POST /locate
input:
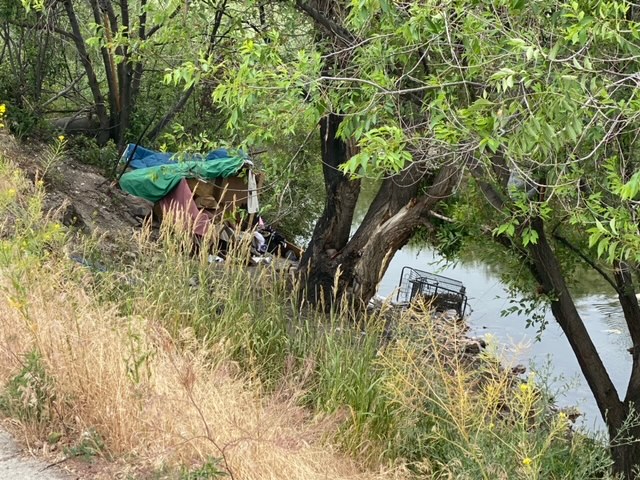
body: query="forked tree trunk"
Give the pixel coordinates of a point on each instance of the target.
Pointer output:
(337, 268)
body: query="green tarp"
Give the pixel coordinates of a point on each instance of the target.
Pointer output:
(154, 183)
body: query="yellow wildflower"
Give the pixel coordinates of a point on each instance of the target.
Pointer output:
(3, 108)
(524, 388)
(527, 462)
(61, 138)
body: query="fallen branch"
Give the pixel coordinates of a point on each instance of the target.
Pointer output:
(440, 216)
(63, 92)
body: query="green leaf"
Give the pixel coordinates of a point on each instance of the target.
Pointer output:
(602, 245)
(612, 251)
(553, 53)
(529, 236)
(593, 238)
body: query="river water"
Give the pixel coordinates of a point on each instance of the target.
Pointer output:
(488, 297)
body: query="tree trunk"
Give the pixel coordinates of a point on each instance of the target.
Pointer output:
(541, 259)
(546, 270)
(337, 268)
(125, 72)
(625, 447)
(625, 451)
(626, 455)
(628, 300)
(94, 85)
(392, 219)
(332, 229)
(170, 115)
(142, 36)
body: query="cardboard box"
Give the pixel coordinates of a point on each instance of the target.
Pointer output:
(208, 203)
(200, 188)
(233, 192)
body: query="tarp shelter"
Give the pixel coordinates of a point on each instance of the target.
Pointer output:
(199, 186)
(143, 157)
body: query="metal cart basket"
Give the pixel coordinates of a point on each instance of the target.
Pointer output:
(441, 292)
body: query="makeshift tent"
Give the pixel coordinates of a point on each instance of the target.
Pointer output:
(197, 190)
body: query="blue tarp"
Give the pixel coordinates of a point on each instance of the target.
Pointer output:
(144, 158)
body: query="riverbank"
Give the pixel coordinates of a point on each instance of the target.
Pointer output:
(160, 363)
(550, 354)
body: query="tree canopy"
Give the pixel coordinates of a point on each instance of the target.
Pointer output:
(518, 118)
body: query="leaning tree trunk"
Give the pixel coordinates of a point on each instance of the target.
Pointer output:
(543, 263)
(214, 40)
(392, 219)
(625, 450)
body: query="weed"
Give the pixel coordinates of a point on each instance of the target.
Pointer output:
(28, 395)
(209, 470)
(89, 446)
(53, 155)
(478, 422)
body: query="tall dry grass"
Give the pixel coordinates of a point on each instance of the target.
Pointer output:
(153, 392)
(180, 408)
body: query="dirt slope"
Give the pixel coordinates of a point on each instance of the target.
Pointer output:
(85, 197)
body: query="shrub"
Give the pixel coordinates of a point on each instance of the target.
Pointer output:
(28, 395)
